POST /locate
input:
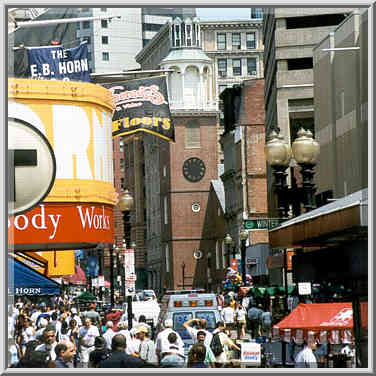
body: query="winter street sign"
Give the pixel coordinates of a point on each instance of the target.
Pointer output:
(262, 223)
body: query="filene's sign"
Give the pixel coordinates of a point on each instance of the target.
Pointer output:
(142, 105)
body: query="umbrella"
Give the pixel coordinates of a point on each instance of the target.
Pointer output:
(86, 297)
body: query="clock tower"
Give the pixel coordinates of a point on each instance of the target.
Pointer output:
(191, 163)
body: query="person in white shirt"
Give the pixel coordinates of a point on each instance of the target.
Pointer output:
(228, 315)
(109, 333)
(133, 345)
(49, 341)
(86, 338)
(35, 315)
(162, 344)
(305, 358)
(349, 350)
(227, 344)
(240, 315)
(75, 316)
(201, 325)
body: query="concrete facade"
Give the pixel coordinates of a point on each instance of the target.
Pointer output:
(290, 34)
(341, 104)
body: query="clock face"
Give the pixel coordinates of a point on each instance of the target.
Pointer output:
(194, 169)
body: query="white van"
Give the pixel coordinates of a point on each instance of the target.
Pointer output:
(183, 307)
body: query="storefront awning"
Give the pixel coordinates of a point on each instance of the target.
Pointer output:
(319, 316)
(342, 220)
(78, 278)
(23, 280)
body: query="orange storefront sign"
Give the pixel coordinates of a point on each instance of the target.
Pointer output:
(62, 226)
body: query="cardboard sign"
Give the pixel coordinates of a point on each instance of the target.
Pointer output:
(251, 353)
(304, 288)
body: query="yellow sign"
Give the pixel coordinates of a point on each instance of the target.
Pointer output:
(60, 263)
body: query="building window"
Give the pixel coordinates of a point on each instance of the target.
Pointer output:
(164, 171)
(189, 35)
(165, 210)
(251, 40)
(236, 67)
(236, 41)
(104, 40)
(103, 9)
(192, 136)
(78, 25)
(251, 66)
(105, 56)
(222, 67)
(301, 63)
(257, 13)
(122, 183)
(221, 41)
(177, 35)
(151, 27)
(121, 164)
(86, 25)
(104, 24)
(121, 146)
(217, 256)
(167, 259)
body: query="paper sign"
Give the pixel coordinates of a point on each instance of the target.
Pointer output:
(251, 353)
(304, 288)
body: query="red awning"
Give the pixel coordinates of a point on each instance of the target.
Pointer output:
(79, 278)
(319, 316)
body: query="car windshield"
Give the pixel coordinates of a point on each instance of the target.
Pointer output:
(179, 319)
(209, 316)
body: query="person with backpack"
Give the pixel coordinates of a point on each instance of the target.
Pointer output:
(266, 324)
(221, 344)
(254, 316)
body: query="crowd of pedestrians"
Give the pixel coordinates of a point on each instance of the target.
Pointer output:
(55, 334)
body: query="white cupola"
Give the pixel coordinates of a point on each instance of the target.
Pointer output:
(191, 84)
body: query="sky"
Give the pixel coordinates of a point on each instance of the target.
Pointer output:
(222, 14)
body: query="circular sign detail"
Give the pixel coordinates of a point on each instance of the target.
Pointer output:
(194, 169)
(31, 166)
(197, 254)
(196, 207)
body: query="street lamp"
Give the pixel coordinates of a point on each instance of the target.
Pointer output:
(228, 242)
(243, 235)
(305, 150)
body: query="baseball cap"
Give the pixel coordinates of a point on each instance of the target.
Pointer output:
(142, 329)
(74, 310)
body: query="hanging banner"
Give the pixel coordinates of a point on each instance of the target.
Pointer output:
(92, 266)
(142, 106)
(59, 63)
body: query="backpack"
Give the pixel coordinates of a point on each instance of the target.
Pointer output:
(266, 319)
(216, 345)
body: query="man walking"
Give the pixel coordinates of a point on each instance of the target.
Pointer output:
(109, 333)
(305, 358)
(86, 338)
(162, 344)
(254, 315)
(201, 326)
(65, 352)
(49, 341)
(118, 357)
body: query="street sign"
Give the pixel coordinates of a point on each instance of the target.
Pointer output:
(32, 166)
(262, 223)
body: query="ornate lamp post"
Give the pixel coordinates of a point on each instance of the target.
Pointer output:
(228, 242)
(125, 203)
(243, 235)
(305, 151)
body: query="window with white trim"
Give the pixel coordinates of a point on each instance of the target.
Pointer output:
(167, 251)
(223, 254)
(251, 66)
(251, 41)
(236, 44)
(217, 256)
(222, 67)
(165, 210)
(221, 41)
(236, 67)
(105, 56)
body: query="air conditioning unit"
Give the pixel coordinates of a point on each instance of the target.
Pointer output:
(222, 74)
(254, 73)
